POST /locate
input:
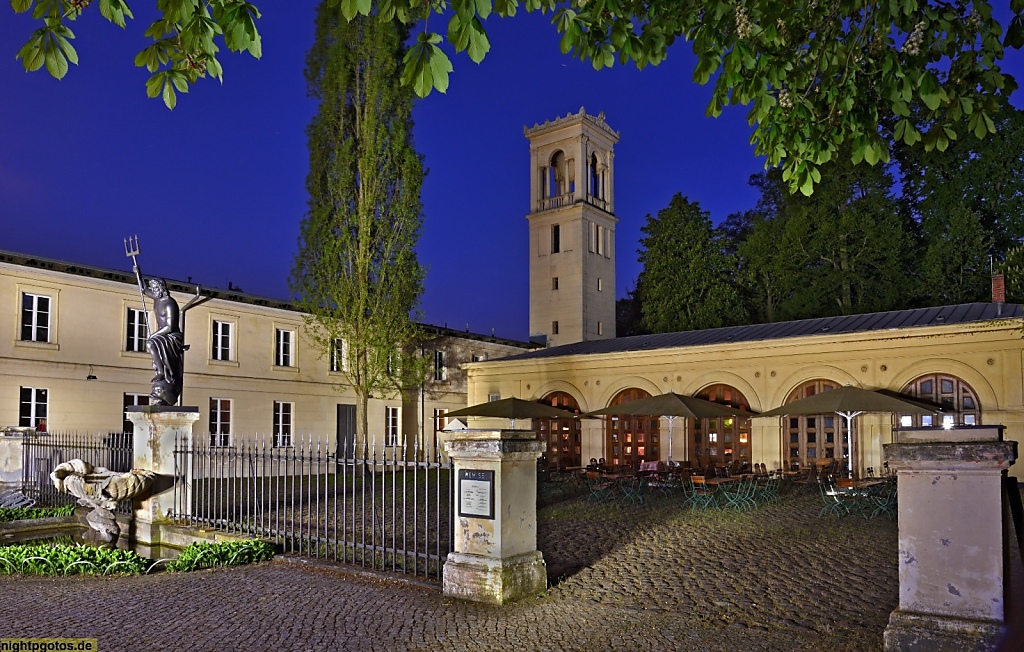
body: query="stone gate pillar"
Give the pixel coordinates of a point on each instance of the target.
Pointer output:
(950, 538)
(495, 557)
(157, 428)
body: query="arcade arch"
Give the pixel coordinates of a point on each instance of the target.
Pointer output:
(720, 441)
(815, 438)
(630, 440)
(562, 437)
(957, 398)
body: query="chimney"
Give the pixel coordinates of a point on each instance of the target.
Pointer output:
(998, 288)
(999, 292)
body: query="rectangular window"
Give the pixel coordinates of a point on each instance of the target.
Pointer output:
(283, 342)
(440, 369)
(493, 397)
(598, 240)
(556, 239)
(283, 423)
(479, 357)
(440, 420)
(600, 285)
(33, 408)
(129, 401)
(35, 317)
(600, 328)
(554, 328)
(440, 423)
(339, 355)
(136, 331)
(392, 423)
(220, 422)
(554, 282)
(222, 341)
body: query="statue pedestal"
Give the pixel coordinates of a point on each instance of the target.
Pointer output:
(950, 538)
(495, 557)
(157, 428)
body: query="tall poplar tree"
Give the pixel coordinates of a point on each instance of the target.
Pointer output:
(356, 274)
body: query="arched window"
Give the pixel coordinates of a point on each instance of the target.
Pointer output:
(556, 175)
(720, 441)
(816, 438)
(561, 437)
(596, 191)
(958, 400)
(630, 440)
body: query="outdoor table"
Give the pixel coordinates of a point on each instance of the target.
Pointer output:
(717, 481)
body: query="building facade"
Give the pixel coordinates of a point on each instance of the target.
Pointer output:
(967, 358)
(572, 229)
(73, 357)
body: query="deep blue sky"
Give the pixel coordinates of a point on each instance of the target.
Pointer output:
(215, 189)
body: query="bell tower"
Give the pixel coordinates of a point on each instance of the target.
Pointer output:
(572, 229)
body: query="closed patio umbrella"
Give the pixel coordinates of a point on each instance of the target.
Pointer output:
(512, 408)
(672, 405)
(848, 402)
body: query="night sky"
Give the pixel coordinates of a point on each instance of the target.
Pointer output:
(215, 189)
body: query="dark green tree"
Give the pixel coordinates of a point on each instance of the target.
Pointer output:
(854, 248)
(767, 271)
(356, 274)
(629, 320)
(686, 282)
(984, 175)
(955, 265)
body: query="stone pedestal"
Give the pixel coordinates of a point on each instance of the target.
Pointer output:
(157, 428)
(495, 557)
(950, 538)
(12, 443)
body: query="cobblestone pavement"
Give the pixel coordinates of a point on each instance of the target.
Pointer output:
(624, 577)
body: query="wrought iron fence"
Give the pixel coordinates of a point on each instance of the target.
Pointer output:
(43, 452)
(388, 508)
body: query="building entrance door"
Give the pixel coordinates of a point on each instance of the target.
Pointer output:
(346, 433)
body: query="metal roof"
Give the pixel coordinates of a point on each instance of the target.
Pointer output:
(964, 313)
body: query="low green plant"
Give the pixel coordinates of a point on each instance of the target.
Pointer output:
(225, 553)
(67, 559)
(29, 513)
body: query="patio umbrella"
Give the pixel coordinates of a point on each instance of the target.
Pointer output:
(512, 408)
(672, 405)
(849, 401)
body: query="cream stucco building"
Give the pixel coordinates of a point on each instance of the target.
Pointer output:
(968, 358)
(72, 353)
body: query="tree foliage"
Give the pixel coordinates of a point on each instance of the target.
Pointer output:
(184, 38)
(955, 266)
(819, 76)
(853, 246)
(985, 176)
(356, 271)
(686, 279)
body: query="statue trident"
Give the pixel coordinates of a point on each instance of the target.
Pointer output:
(166, 344)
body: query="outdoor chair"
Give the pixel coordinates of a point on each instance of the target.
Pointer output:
(702, 496)
(766, 489)
(740, 495)
(601, 488)
(633, 488)
(833, 499)
(14, 499)
(882, 499)
(807, 477)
